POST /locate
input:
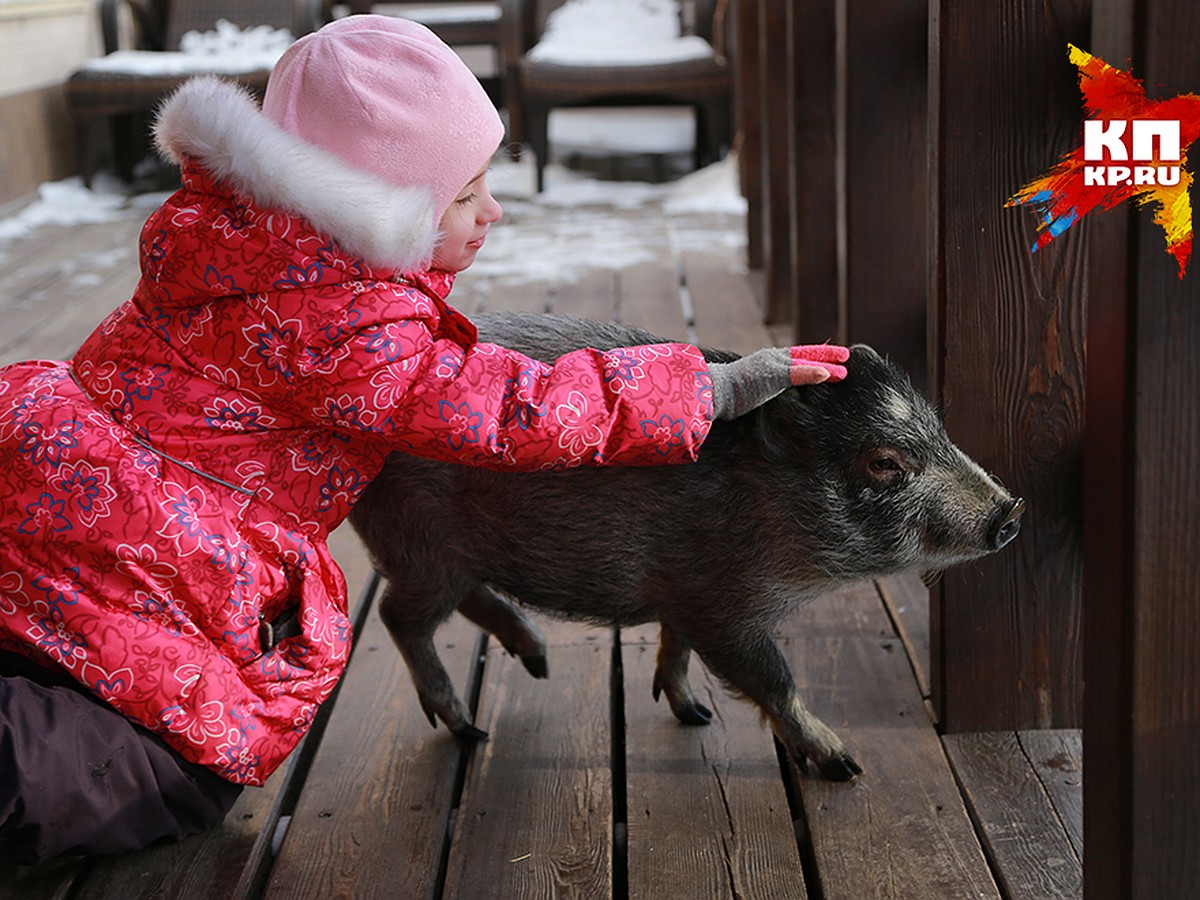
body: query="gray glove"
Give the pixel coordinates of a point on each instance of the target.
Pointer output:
(751, 381)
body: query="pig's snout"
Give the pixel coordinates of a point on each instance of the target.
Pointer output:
(1006, 524)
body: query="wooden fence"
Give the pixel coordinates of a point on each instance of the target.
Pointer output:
(879, 142)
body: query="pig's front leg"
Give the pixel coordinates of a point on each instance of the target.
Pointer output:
(752, 665)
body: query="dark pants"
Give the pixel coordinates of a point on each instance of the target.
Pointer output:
(77, 777)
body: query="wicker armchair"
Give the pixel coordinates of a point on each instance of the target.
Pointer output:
(122, 97)
(534, 87)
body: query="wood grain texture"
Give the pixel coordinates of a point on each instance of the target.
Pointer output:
(900, 830)
(1024, 837)
(707, 811)
(649, 298)
(50, 303)
(907, 602)
(1142, 574)
(723, 305)
(373, 816)
(1057, 757)
(535, 818)
(1008, 366)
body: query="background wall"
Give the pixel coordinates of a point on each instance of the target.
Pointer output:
(43, 41)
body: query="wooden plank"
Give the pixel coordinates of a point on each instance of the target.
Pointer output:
(1023, 835)
(1008, 350)
(1057, 757)
(372, 819)
(55, 299)
(536, 816)
(592, 296)
(1160, 705)
(648, 297)
(707, 810)
(1142, 573)
(900, 829)
(723, 305)
(907, 602)
(1109, 522)
(50, 881)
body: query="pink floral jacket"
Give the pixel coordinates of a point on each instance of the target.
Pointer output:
(168, 492)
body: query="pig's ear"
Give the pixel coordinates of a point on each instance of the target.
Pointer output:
(786, 425)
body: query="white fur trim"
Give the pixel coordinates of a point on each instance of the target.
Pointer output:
(220, 123)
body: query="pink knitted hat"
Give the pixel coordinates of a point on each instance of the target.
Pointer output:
(390, 98)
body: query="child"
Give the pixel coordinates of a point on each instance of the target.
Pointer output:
(166, 495)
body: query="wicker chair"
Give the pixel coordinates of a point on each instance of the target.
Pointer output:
(535, 87)
(123, 99)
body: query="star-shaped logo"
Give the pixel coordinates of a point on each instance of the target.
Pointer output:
(1134, 148)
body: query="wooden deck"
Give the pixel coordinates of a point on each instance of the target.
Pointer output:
(586, 787)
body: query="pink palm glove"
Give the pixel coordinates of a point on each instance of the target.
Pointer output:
(751, 381)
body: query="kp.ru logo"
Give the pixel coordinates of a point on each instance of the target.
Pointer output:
(1133, 148)
(1105, 141)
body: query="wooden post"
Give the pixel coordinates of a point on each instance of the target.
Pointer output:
(775, 112)
(884, 124)
(1007, 343)
(747, 90)
(1142, 497)
(811, 155)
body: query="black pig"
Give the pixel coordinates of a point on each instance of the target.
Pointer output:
(818, 488)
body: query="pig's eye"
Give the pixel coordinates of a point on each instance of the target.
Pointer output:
(886, 467)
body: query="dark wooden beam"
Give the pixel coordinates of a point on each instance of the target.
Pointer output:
(1007, 357)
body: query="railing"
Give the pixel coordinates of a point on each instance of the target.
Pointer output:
(879, 144)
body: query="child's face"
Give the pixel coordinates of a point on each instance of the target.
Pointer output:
(465, 224)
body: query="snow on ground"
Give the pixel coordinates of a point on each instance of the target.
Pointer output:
(574, 226)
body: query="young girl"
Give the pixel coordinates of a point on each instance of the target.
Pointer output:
(170, 617)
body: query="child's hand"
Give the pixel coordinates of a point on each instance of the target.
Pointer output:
(751, 381)
(814, 363)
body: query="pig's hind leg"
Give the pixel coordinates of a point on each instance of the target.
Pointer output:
(671, 678)
(412, 621)
(491, 611)
(752, 665)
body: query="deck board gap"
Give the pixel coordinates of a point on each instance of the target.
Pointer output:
(464, 764)
(800, 826)
(620, 800)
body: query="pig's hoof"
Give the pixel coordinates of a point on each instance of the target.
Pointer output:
(470, 733)
(428, 709)
(841, 769)
(695, 714)
(536, 665)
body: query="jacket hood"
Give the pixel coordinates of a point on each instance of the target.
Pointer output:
(221, 125)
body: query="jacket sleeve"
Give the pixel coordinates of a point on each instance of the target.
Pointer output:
(481, 404)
